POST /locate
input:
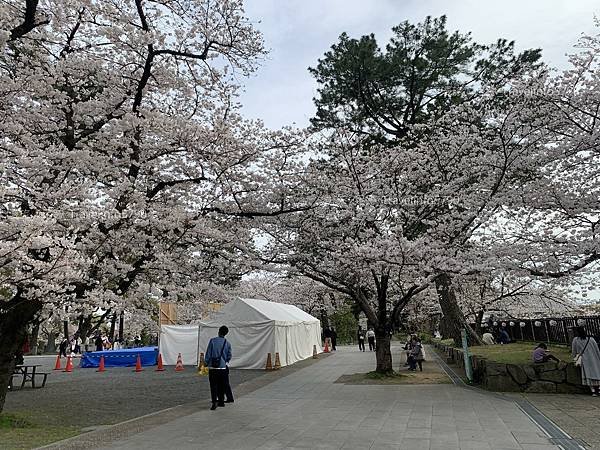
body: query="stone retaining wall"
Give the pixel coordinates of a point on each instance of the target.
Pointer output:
(550, 377)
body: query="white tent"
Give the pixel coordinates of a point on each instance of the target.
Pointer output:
(256, 328)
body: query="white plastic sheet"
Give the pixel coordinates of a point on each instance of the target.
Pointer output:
(175, 339)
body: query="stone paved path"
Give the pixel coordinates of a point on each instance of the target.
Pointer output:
(307, 410)
(578, 415)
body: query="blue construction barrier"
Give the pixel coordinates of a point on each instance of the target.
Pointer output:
(126, 357)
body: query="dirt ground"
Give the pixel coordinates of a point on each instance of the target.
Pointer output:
(432, 374)
(86, 398)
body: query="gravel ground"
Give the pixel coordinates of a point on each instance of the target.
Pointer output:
(86, 398)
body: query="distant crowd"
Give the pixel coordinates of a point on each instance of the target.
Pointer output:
(98, 342)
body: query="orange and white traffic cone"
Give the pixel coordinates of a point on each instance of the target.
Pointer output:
(315, 354)
(69, 366)
(138, 364)
(57, 365)
(269, 365)
(101, 365)
(179, 364)
(277, 364)
(160, 367)
(326, 349)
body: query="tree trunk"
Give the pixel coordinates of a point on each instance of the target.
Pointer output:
(35, 333)
(85, 327)
(51, 345)
(121, 323)
(15, 316)
(478, 320)
(66, 329)
(453, 316)
(383, 350)
(113, 323)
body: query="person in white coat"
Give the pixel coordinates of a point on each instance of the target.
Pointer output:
(585, 349)
(371, 339)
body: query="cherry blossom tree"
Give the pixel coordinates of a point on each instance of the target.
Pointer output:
(561, 222)
(303, 292)
(126, 168)
(504, 295)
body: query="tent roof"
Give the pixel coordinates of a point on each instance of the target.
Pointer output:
(253, 310)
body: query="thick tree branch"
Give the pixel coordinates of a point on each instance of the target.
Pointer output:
(28, 23)
(570, 271)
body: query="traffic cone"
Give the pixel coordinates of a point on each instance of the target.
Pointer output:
(101, 366)
(326, 349)
(315, 354)
(179, 364)
(57, 365)
(138, 364)
(277, 365)
(69, 366)
(160, 367)
(269, 365)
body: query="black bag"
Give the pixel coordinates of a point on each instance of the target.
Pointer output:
(215, 362)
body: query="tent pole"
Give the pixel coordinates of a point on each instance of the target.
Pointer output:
(198, 348)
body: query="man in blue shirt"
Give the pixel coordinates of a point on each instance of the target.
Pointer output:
(217, 357)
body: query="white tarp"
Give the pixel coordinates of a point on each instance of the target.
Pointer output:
(256, 328)
(175, 339)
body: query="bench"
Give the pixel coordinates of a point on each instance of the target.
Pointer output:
(28, 373)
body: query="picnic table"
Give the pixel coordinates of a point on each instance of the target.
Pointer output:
(28, 372)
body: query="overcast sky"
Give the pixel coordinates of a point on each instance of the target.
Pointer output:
(299, 32)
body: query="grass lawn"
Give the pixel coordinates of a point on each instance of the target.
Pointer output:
(518, 352)
(21, 431)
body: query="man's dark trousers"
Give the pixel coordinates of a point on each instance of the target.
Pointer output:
(216, 378)
(228, 392)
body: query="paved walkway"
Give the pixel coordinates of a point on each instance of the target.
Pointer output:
(307, 410)
(578, 415)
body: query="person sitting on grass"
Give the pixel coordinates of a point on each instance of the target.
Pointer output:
(488, 338)
(542, 355)
(503, 337)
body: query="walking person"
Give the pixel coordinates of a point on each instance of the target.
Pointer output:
(217, 357)
(99, 343)
(371, 339)
(62, 348)
(327, 337)
(77, 340)
(333, 338)
(360, 335)
(587, 355)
